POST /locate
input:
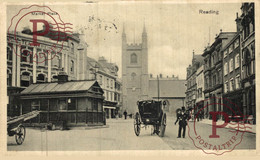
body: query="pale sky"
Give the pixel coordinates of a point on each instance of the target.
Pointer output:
(174, 30)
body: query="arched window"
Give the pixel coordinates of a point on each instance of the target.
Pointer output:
(133, 75)
(41, 58)
(41, 78)
(56, 61)
(133, 58)
(25, 79)
(72, 66)
(26, 56)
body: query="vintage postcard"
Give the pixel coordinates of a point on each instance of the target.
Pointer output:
(129, 78)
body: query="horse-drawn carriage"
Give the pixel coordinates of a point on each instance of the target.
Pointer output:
(16, 128)
(150, 113)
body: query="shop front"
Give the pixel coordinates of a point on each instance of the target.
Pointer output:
(73, 102)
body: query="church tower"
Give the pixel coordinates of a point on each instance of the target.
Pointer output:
(134, 72)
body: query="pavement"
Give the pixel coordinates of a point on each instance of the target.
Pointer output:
(118, 134)
(171, 133)
(244, 127)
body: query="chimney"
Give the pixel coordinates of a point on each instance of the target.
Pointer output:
(62, 77)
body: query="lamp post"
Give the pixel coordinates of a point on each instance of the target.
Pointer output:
(94, 71)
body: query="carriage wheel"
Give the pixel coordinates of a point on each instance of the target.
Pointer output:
(162, 125)
(137, 124)
(20, 134)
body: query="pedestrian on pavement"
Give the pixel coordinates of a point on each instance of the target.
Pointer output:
(182, 117)
(125, 114)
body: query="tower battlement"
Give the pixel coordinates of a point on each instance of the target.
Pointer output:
(134, 46)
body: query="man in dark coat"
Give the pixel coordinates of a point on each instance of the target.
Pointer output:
(182, 117)
(125, 114)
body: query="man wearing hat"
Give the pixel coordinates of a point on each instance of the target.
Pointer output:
(182, 117)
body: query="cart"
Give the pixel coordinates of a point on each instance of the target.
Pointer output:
(150, 113)
(16, 128)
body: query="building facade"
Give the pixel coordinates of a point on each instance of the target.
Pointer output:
(248, 59)
(135, 76)
(232, 91)
(106, 74)
(28, 64)
(213, 72)
(191, 90)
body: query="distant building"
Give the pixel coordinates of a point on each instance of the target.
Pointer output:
(248, 59)
(106, 74)
(135, 72)
(213, 72)
(171, 90)
(191, 91)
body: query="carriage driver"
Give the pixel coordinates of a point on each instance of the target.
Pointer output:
(182, 117)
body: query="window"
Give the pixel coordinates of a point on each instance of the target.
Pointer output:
(133, 75)
(226, 87)
(25, 79)
(107, 83)
(26, 56)
(62, 105)
(236, 43)
(231, 65)
(231, 48)
(111, 96)
(41, 59)
(226, 68)
(9, 77)
(54, 78)
(71, 103)
(237, 82)
(214, 80)
(72, 66)
(111, 84)
(225, 53)
(133, 58)
(237, 59)
(55, 61)
(9, 53)
(35, 105)
(231, 84)
(40, 78)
